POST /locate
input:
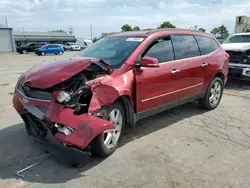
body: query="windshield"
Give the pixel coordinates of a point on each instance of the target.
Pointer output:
(28, 44)
(113, 50)
(238, 39)
(44, 46)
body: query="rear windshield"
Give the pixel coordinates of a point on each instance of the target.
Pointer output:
(113, 50)
(238, 39)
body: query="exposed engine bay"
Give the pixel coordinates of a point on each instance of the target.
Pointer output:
(76, 92)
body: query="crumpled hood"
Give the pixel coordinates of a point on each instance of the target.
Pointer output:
(49, 73)
(236, 46)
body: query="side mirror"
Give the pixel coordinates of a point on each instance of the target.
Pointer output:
(149, 62)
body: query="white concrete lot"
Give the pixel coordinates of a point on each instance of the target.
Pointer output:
(182, 147)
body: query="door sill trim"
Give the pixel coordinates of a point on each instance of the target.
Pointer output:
(167, 106)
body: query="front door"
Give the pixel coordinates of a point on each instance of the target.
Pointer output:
(168, 83)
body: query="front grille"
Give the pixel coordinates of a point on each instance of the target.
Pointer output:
(236, 57)
(34, 93)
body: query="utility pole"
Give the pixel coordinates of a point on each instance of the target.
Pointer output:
(91, 32)
(71, 30)
(6, 21)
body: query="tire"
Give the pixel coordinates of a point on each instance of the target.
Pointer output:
(214, 89)
(60, 53)
(24, 52)
(43, 53)
(99, 147)
(71, 49)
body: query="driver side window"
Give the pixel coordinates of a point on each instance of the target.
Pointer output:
(161, 49)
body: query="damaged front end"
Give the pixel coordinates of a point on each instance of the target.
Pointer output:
(239, 64)
(61, 110)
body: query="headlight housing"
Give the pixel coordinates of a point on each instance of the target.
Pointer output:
(63, 96)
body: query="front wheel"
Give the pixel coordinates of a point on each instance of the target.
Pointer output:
(213, 94)
(60, 53)
(43, 53)
(106, 143)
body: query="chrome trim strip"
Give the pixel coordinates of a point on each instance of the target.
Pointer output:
(29, 98)
(148, 99)
(238, 65)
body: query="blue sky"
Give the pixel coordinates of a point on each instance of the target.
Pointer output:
(110, 15)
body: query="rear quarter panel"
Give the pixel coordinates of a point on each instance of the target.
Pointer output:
(218, 63)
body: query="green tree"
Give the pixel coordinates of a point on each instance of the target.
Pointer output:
(202, 30)
(136, 28)
(220, 32)
(126, 27)
(166, 25)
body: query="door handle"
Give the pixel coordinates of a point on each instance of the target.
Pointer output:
(175, 71)
(204, 64)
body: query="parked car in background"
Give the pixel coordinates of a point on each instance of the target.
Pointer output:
(71, 47)
(84, 43)
(30, 47)
(56, 49)
(238, 47)
(86, 101)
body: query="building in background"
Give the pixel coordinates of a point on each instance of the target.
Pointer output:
(24, 37)
(6, 39)
(242, 24)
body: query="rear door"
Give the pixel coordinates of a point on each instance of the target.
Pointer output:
(190, 65)
(212, 57)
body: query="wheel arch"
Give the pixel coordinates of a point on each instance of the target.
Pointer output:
(128, 108)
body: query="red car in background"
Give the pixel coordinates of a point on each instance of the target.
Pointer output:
(86, 101)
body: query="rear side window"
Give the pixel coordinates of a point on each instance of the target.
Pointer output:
(56, 46)
(185, 46)
(207, 45)
(161, 49)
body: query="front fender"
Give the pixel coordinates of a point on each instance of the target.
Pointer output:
(106, 95)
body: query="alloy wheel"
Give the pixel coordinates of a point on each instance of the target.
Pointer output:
(215, 94)
(111, 136)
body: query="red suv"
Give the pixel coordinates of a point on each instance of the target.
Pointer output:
(86, 101)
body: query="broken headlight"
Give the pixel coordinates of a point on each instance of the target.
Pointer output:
(63, 96)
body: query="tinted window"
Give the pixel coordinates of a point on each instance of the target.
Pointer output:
(206, 45)
(185, 46)
(56, 46)
(50, 46)
(162, 50)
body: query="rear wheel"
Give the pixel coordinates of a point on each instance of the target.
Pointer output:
(71, 49)
(213, 94)
(106, 143)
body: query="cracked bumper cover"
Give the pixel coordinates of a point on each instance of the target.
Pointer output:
(86, 127)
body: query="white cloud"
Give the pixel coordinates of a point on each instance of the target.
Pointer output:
(110, 15)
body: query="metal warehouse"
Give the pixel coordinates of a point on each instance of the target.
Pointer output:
(6, 39)
(24, 37)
